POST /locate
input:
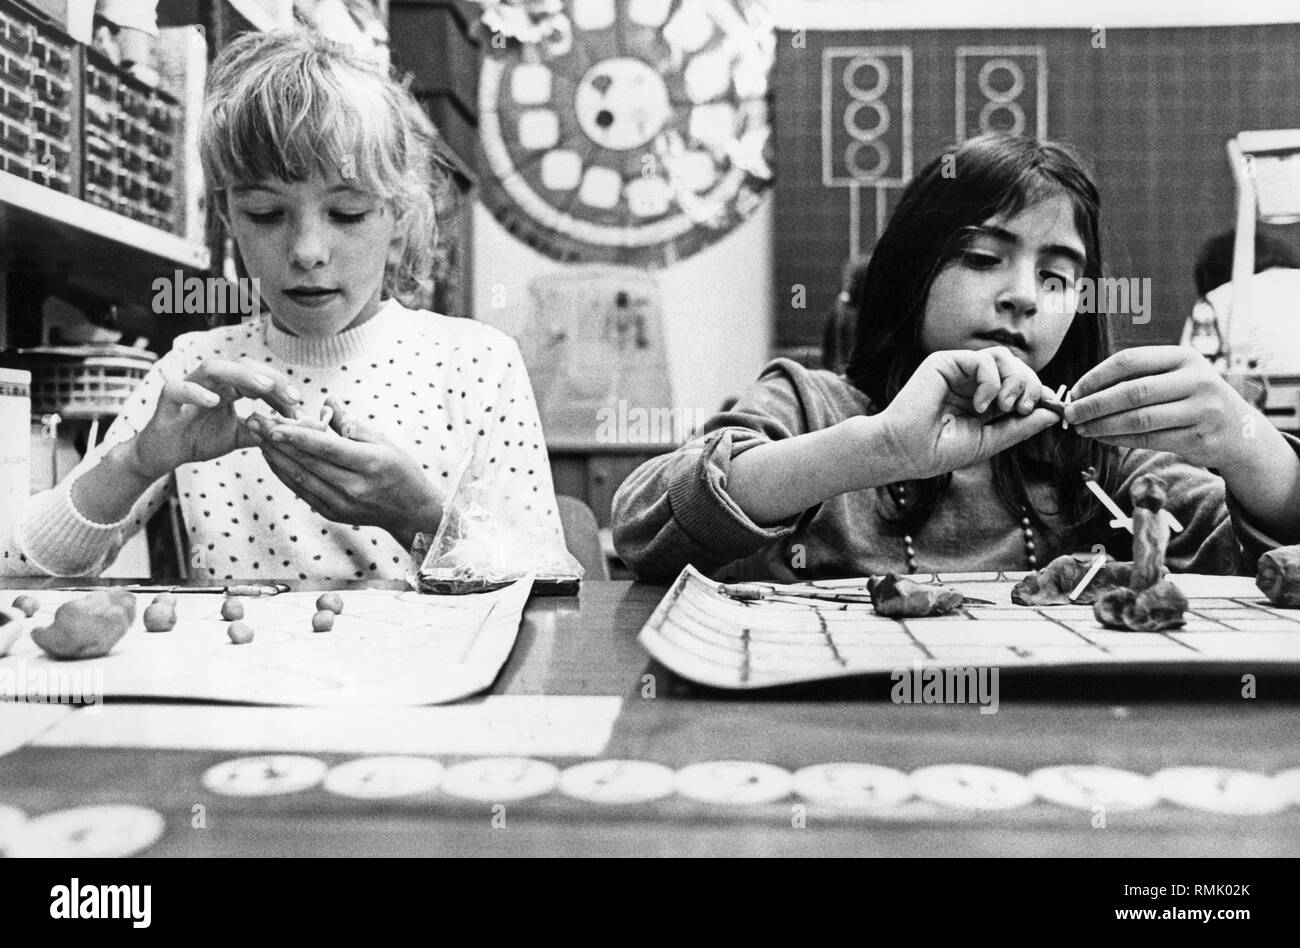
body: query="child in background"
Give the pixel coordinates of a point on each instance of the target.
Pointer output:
(931, 452)
(322, 168)
(1267, 339)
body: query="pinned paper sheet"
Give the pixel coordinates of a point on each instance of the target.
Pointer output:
(386, 648)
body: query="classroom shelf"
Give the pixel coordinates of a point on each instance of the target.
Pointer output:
(89, 247)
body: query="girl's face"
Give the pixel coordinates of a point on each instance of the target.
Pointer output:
(318, 248)
(1015, 286)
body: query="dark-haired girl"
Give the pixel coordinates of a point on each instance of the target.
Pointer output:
(932, 452)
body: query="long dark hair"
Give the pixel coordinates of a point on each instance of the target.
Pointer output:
(985, 177)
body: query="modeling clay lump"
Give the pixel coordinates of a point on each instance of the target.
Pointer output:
(905, 598)
(1052, 585)
(87, 627)
(1278, 576)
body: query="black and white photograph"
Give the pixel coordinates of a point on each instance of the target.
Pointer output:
(651, 428)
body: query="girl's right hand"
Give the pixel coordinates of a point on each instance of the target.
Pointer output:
(961, 407)
(195, 417)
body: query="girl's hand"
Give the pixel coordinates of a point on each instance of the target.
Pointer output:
(1166, 398)
(352, 474)
(961, 407)
(195, 418)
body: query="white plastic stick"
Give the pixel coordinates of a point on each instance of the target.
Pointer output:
(1060, 395)
(1098, 562)
(1110, 504)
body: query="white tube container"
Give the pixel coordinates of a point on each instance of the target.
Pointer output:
(15, 441)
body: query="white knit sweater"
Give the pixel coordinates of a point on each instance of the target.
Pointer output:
(434, 385)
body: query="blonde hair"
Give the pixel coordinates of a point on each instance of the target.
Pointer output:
(287, 106)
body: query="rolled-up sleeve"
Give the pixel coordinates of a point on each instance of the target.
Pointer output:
(675, 509)
(1255, 538)
(49, 536)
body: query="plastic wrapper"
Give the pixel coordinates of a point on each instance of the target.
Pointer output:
(484, 543)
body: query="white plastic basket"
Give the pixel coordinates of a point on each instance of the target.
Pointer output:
(90, 387)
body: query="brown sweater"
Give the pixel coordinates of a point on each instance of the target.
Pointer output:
(675, 510)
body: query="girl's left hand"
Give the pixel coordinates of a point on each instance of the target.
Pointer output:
(1165, 398)
(351, 474)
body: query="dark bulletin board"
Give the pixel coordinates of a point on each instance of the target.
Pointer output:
(1151, 111)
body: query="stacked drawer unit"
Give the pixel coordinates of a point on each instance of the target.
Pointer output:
(164, 137)
(131, 141)
(37, 99)
(73, 120)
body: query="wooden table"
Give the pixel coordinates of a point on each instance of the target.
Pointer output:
(587, 646)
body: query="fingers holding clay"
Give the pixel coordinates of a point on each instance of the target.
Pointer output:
(340, 421)
(87, 627)
(248, 380)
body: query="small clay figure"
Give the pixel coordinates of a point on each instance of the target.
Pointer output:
(1150, 532)
(1148, 602)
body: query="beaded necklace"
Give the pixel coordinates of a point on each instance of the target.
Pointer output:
(1026, 529)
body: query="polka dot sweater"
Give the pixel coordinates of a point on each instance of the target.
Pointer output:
(438, 387)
